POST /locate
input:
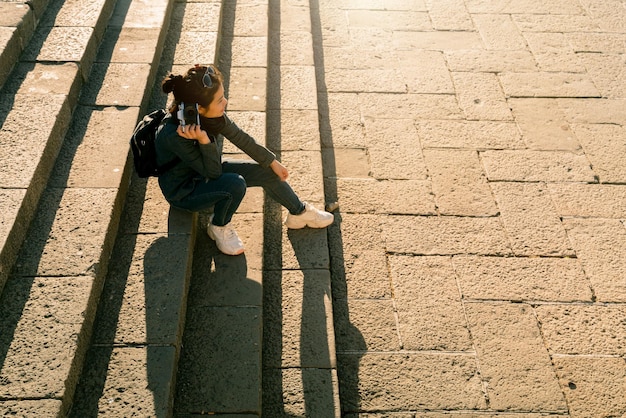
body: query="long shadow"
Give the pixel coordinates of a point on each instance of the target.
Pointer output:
(347, 363)
(217, 374)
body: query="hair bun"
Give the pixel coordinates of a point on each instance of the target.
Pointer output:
(170, 82)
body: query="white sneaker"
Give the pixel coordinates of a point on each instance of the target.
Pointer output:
(311, 217)
(225, 238)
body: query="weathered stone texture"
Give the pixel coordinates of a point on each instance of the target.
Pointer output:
(522, 279)
(430, 313)
(513, 361)
(530, 219)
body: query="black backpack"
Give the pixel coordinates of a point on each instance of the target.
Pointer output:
(143, 147)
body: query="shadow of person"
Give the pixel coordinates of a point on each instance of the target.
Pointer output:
(321, 315)
(219, 368)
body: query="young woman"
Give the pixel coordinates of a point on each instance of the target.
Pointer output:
(201, 179)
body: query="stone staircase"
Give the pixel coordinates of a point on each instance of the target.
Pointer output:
(113, 304)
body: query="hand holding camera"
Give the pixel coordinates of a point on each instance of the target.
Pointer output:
(189, 126)
(188, 115)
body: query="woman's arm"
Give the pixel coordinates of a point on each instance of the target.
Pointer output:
(247, 144)
(194, 147)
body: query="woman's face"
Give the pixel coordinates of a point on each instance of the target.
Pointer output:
(217, 107)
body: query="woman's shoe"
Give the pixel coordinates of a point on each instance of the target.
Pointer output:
(225, 238)
(311, 217)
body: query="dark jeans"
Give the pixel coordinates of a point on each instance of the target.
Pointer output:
(226, 192)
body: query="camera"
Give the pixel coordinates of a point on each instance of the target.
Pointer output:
(188, 114)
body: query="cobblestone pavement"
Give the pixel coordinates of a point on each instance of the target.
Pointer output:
(478, 153)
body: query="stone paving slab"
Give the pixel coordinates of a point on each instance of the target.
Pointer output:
(45, 409)
(599, 245)
(530, 220)
(428, 305)
(222, 373)
(550, 279)
(513, 360)
(399, 381)
(594, 385)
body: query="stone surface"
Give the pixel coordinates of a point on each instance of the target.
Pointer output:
(22, 161)
(359, 265)
(478, 135)
(356, 329)
(459, 183)
(599, 245)
(90, 158)
(533, 166)
(64, 44)
(219, 368)
(300, 392)
(127, 381)
(445, 235)
(370, 382)
(513, 361)
(605, 148)
(39, 408)
(389, 159)
(304, 336)
(295, 130)
(247, 91)
(143, 297)
(583, 329)
(40, 332)
(374, 196)
(543, 125)
(530, 219)
(425, 71)
(66, 245)
(428, 303)
(522, 279)
(589, 200)
(593, 386)
(499, 32)
(546, 84)
(122, 84)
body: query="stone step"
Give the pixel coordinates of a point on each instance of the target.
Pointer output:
(18, 21)
(64, 187)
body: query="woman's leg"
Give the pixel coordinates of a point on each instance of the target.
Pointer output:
(224, 193)
(257, 176)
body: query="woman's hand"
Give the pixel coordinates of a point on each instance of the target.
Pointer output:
(193, 132)
(280, 170)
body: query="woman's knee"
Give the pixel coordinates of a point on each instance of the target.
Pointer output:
(236, 184)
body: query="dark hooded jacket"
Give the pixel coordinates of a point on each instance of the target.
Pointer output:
(200, 162)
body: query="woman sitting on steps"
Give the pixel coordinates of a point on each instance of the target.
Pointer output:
(201, 179)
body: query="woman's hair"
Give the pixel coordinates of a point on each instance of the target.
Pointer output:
(190, 88)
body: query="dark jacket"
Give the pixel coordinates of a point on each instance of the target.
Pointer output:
(199, 162)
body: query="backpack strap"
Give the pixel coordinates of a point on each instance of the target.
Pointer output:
(170, 164)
